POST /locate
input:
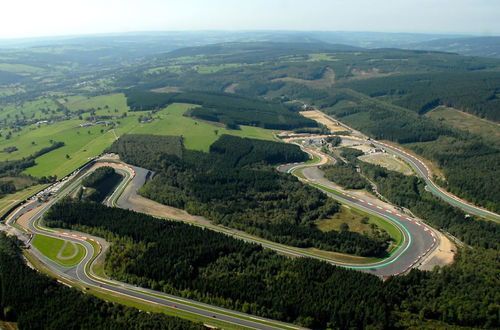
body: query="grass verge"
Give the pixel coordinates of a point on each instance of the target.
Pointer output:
(51, 248)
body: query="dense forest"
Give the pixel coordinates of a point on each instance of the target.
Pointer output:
(235, 185)
(99, 184)
(35, 301)
(346, 175)
(473, 92)
(409, 192)
(232, 110)
(471, 167)
(468, 162)
(381, 92)
(217, 269)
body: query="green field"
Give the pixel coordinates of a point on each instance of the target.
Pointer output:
(32, 110)
(112, 101)
(10, 200)
(198, 135)
(82, 143)
(489, 130)
(57, 250)
(384, 224)
(352, 217)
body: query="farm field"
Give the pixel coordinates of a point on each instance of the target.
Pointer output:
(32, 110)
(82, 143)
(64, 253)
(111, 101)
(198, 135)
(489, 130)
(388, 161)
(10, 200)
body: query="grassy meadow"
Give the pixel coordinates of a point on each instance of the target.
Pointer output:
(489, 130)
(82, 143)
(65, 254)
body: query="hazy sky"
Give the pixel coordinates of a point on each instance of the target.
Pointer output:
(27, 18)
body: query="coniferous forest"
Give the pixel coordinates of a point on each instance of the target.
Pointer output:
(35, 301)
(236, 185)
(89, 92)
(218, 269)
(100, 183)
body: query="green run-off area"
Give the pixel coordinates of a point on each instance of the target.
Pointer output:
(65, 253)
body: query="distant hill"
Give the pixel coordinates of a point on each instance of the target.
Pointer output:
(476, 46)
(249, 52)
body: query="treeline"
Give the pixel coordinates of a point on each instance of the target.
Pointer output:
(99, 184)
(214, 268)
(409, 192)
(464, 294)
(232, 110)
(146, 149)
(98, 176)
(14, 167)
(473, 92)
(238, 152)
(345, 175)
(7, 187)
(235, 185)
(185, 260)
(469, 164)
(35, 301)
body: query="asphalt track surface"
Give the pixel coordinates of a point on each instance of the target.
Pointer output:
(423, 172)
(419, 239)
(82, 275)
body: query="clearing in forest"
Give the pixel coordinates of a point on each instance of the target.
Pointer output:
(390, 162)
(489, 130)
(322, 118)
(327, 80)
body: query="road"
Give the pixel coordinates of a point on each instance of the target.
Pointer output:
(419, 239)
(410, 253)
(423, 171)
(82, 272)
(418, 243)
